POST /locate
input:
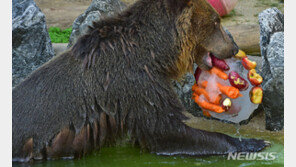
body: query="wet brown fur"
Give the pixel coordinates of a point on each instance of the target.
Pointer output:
(115, 82)
(28, 148)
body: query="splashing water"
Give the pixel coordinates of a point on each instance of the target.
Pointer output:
(237, 126)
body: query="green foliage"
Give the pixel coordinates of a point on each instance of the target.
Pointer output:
(233, 13)
(57, 35)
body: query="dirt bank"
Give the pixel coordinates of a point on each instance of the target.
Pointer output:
(62, 13)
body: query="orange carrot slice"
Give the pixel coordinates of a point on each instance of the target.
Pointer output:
(206, 113)
(217, 99)
(204, 84)
(229, 91)
(208, 106)
(194, 87)
(201, 91)
(194, 94)
(219, 73)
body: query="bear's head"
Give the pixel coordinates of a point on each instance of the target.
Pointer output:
(201, 33)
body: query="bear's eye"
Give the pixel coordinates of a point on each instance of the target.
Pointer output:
(216, 24)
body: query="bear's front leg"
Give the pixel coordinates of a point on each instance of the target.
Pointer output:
(188, 141)
(159, 127)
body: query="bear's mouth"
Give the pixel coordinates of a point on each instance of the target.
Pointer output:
(207, 60)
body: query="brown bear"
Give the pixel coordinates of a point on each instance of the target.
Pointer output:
(115, 84)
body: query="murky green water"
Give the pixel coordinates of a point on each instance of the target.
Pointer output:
(132, 157)
(127, 156)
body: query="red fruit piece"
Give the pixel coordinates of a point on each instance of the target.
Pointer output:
(248, 64)
(256, 95)
(197, 74)
(254, 77)
(237, 81)
(226, 104)
(219, 63)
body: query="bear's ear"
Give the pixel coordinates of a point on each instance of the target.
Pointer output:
(178, 5)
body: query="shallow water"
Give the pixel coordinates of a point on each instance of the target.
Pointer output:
(132, 157)
(127, 156)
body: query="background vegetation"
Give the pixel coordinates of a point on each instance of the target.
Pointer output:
(57, 35)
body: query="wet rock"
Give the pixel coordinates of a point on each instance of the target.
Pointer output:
(184, 92)
(272, 49)
(31, 45)
(96, 10)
